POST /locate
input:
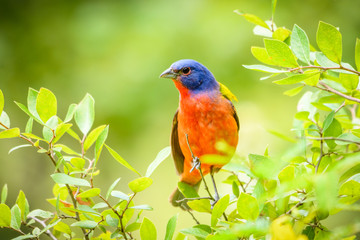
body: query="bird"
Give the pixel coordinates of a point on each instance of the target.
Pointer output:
(205, 116)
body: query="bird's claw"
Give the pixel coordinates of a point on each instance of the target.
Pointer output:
(196, 164)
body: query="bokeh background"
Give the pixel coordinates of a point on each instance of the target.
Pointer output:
(115, 50)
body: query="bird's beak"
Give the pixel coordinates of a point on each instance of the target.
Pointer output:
(169, 73)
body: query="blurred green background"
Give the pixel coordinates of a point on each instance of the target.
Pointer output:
(115, 50)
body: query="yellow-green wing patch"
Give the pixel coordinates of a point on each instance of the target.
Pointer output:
(227, 93)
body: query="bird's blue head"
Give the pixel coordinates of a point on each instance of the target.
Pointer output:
(192, 75)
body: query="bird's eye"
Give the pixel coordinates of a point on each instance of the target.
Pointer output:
(186, 70)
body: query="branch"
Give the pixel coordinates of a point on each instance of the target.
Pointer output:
(334, 138)
(330, 89)
(42, 223)
(324, 68)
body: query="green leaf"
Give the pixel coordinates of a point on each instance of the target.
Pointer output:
(4, 193)
(142, 207)
(197, 232)
(113, 222)
(281, 34)
(61, 129)
(201, 205)
(78, 163)
(120, 195)
(219, 209)
(357, 54)
(300, 44)
(262, 68)
(287, 174)
(122, 161)
(329, 41)
(280, 53)
(261, 54)
(40, 213)
(294, 91)
(29, 125)
(10, 133)
(160, 157)
(349, 81)
(85, 114)
(46, 104)
(235, 189)
(334, 130)
(93, 136)
(132, 227)
(328, 120)
(324, 61)
(23, 204)
(62, 227)
(15, 217)
(5, 120)
(248, 207)
(351, 190)
(187, 190)
(90, 193)
(1, 101)
(140, 184)
(5, 215)
(147, 230)
(70, 113)
(100, 141)
(31, 103)
(253, 19)
(111, 188)
(62, 178)
(296, 78)
(49, 127)
(170, 227)
(27, 236)
(87, 224)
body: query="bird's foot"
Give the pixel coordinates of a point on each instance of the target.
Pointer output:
(196, 164)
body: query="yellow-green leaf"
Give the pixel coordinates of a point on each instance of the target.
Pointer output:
(281, 34)
(10, 133)
(147, 230)
(280, 53)
(140, 184)
(248, 207)
(261, 54)
(253, 19)
(219, 209)
(357, 54)
(89, 193)
(5, 215)
(329, 40)
(93, 135)
(46, 104)
(1, 101)
(122, 161)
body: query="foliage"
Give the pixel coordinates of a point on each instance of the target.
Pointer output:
(283, 197)
(77, 202)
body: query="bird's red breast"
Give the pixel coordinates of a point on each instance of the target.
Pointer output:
(206, 118)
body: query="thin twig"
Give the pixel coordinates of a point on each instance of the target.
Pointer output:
(192, 215)
(324, 68)
(301, 202)
(333, 138)
(341, 106)
(330, 89)
(321, 152)
(47, 232)
(197, 164)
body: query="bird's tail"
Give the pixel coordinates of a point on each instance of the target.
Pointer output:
(176, 196)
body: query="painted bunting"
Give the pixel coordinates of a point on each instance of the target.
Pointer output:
(205, 116)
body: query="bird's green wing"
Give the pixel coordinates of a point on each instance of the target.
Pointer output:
(231, 97)
(177, 154)
(227, 93)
